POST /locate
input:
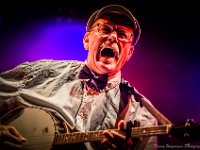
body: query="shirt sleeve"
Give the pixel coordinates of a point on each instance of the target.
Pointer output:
(31, 75)
(11, 82)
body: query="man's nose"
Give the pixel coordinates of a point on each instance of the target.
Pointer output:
(113, 36)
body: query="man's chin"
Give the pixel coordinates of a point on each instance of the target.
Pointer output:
(106, 68)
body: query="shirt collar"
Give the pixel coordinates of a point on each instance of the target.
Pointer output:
(112, 81)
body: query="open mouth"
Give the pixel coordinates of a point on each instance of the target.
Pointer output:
(108, 52)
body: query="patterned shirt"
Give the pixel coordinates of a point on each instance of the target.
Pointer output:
(70, 90)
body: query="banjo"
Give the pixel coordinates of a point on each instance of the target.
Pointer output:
(40, 129)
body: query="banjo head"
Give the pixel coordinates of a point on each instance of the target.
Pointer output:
(37, 126)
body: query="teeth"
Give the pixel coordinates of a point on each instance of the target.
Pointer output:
(100, 47)
(116, 54)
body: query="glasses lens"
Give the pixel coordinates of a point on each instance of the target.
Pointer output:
(122, 34)
(105, 29)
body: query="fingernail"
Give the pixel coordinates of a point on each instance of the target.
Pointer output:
(23, 139)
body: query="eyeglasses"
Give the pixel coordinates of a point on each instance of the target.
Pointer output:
(106, 29)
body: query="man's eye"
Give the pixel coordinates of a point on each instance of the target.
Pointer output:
(122, 34)
(105, 30)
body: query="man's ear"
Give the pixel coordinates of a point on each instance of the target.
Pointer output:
(130, 53)
(86, 40)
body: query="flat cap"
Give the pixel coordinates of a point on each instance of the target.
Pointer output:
(118, 9)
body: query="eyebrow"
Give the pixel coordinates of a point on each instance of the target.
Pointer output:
(119, 26)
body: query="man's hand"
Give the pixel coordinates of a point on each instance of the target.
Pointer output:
(114, 140)
(10, 138)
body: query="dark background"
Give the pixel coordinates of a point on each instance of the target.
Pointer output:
(166, 62)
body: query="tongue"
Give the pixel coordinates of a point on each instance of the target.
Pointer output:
(107, 52)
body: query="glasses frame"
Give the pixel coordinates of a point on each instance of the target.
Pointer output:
(98, 26)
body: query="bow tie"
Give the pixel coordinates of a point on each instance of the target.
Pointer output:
(96, 82)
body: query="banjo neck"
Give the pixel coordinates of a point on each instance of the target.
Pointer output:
(92, 136)
(39, 126)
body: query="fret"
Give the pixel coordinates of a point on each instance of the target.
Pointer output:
(63, 138)
(57, 139)
(91, 136)
(95, 136)
(150, 131)
(79, 137)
